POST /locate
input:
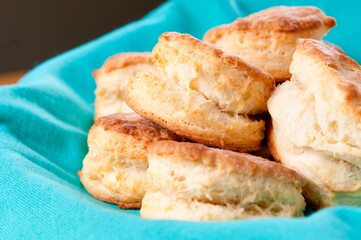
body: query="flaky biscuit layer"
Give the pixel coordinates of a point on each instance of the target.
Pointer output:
(112, 79)
(190, 181)
(203, 94)
(317, 131)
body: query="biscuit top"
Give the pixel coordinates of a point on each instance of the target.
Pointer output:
(122, 60)
(136, 126)
(345, 72)
(278, 19)
(194, 45)
(224, 159)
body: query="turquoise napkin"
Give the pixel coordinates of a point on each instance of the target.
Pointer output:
(45, 118)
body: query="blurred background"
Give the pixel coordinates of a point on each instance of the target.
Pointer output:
(36, 30)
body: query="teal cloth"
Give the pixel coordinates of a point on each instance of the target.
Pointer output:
(45, 118)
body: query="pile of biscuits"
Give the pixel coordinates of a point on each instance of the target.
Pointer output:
(177, 131)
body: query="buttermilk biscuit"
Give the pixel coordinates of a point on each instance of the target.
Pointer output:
(112, 79)
(316, 123)
(201, 93)
(114, 169)
(267, 38)
(189, 181)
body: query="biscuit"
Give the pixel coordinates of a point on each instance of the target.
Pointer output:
(189, 181)
(267, 38)
(203, 94)
(316, 123)
(114, 168)
(112, 79)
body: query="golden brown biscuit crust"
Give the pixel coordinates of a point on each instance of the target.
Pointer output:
(277, 19)
(134, 125)
(211, 141)
(211, 50)
(122, 60)
(346, 71)
(224, 159)
(271, 145)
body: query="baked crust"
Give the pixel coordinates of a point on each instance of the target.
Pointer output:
(267, 39)
(129, 205)
(271, 144)
(209, 140)
(211, 50)
(122, 60)
(134, 125)
(277, 19)
(344, 71)
(224, 159)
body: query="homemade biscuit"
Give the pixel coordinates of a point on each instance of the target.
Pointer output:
(267, 38)
(189, 181)
(203, 94)
(316, 123)
(114, 169)
(112, 79)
